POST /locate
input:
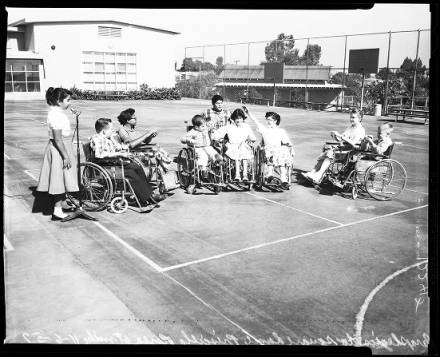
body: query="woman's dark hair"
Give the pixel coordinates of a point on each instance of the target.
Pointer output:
(101, 124)
(238, 113)
(274, 116)
(56, 95)
(216, 98)
(125, 115)
(197, 120)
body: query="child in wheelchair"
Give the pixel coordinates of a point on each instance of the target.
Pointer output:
(199, 138)
(104, 148)
(239, 135)
(277, 148)
(346, 141)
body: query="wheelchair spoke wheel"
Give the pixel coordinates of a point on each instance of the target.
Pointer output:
(95, 188)
(385, 179)
(118, 205)
(185, 167)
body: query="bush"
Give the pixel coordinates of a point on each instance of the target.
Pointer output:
(145, 93)
(198, 87)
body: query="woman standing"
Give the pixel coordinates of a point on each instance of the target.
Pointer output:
(58, 173)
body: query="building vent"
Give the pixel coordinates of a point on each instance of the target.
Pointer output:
(107, 31)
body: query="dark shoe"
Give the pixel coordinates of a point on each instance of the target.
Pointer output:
(56, 218)
(285, 186)
(204, 175)
(157, 198)
(270, 179)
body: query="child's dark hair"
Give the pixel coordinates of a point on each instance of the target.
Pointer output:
(101, 124)
(238, 113)
(125, 115)
(197, 120)
(274, 116)
(56, 95)
(216, 98)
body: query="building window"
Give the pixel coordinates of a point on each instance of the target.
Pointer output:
(109, 71)
(108, 31)
(22, 75)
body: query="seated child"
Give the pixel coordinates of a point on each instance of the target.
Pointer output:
(198, 136)
(104, 147)
(351, 137)
(278, 148)
(237, 147)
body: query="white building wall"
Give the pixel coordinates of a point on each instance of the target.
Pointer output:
(63, 65)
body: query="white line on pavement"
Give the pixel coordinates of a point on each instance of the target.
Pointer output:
(7, 246)
(177, 266)
(293, 208)
(30, 175)
(361, 314)
(7, 156)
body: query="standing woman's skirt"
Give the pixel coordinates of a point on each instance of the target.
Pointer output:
(53, 178)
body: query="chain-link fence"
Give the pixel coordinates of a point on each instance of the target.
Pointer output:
(315, 71)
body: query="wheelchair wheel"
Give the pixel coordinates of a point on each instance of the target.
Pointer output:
(385, 179)
(95, 188)
(185, 167)
(118, 205)
(216, 177)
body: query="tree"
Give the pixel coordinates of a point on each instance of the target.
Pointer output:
(311, 56)
(219, 66)
(201, 86)
(282, 50)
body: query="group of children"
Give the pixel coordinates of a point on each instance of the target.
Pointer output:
(215, 124)
(58, 174)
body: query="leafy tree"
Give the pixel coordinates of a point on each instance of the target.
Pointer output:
(201, 86)
(282, 50)
(311, 56)
(219, 66)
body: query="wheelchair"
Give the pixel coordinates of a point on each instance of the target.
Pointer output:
(260, 166)
(363, 173)
(189, 174)
(104, 185)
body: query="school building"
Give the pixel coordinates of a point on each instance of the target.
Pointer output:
(91, 55)
(298, 83)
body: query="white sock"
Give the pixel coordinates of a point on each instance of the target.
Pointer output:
(58, 211)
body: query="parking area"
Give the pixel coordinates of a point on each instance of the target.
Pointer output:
(296, 267)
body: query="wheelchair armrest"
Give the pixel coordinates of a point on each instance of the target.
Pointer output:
(333, 142)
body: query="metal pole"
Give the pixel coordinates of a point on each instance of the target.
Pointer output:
(385, 104)
(223, 72)
(247, 81)
(343, 76)
(415, 70)
(362, 90)
(306, 94)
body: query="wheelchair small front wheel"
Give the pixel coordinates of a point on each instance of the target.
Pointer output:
(118, 205)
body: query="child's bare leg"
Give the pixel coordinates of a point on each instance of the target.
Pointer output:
(283, 173)
(237, 169)
(269, 170)
(245, 170)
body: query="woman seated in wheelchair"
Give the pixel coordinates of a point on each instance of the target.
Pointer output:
(128, 135)
(348, 140)
(199, 137)
(239, 136)
(278, 148)
(105, 147)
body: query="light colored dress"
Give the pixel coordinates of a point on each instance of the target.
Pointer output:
(276, 145)
(236, 146)
(53, 178)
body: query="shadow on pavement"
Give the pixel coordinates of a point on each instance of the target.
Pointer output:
(43, 202)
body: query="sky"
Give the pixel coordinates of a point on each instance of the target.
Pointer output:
(199, 27)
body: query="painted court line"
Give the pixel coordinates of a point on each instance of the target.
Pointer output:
(296, 209)
(361, 314)
(213, 309)
(7, 246)
(177, 266)
(27, 172)
(130, 248)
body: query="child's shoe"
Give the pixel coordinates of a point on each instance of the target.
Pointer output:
(285, 186)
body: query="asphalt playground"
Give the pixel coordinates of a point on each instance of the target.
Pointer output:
(298, 267)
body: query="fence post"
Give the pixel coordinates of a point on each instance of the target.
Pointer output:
(415, 70)
(223, 72)
(248, 70)
(386, 75)
(306, 94)
(343, 75)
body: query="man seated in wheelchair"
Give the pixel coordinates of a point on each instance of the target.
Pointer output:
(128, 135)
(239, 135)
(277, 147)
(105, 150)
(347, 141)
(199, 138)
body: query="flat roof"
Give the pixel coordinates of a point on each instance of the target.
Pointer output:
(279, 85)
(24, 22)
